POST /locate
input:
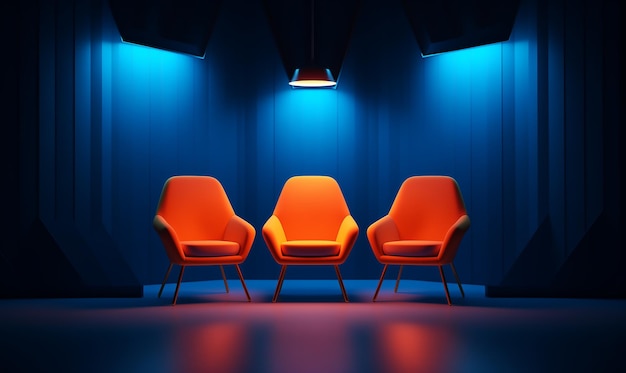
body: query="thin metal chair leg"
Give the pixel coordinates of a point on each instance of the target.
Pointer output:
(242, 282)
(180, 278)
(445, 286)
(224, 277)
(382, 276)
(167, 274)
(395, 290)
(280, 283)
(343, 289)
(458, 281)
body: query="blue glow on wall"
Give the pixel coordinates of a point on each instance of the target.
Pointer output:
(463, 89)
(139, 65)
(306, 131)
(467, 65)
(149, 86)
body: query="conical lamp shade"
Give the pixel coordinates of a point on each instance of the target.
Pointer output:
(312, 77)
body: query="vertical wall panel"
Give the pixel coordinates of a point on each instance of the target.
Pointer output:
(23, 106)
(105, 135)
(17, 140)
(448, 136)
(263, 181)
(556, 119)
(351, 167)
(574, 123)
(522, 130)
(129, 146)
(64, 112)
(502, 259)
(82, 114)
(594, 117)
(486, 149)
(528, 61)
(47, 133)
(96, 116)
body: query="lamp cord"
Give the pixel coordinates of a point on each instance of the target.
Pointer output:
(312, 31)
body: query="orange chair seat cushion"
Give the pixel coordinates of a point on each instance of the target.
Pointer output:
(310, 248)
(413, 248)
(210, 248)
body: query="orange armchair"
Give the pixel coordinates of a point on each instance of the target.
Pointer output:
(424, 226)
(311, 225)
(198, 226)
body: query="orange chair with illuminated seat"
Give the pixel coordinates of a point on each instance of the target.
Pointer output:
(424, 226)
(198, 227)
(310, 225)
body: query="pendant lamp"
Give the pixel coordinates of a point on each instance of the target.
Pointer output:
(312, 76)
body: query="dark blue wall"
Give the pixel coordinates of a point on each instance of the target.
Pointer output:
(530, 128)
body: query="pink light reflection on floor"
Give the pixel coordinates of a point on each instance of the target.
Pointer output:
(312, 339)
(214, 347)
(409, 347)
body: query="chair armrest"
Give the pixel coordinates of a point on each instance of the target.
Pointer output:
(274, 235)
(169, 238)
(347, 235)
(452, 239)
(381, 231)
(242, 232)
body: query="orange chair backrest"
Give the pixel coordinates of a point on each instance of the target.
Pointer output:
(197, 207)
(311, 207)
(426, 207)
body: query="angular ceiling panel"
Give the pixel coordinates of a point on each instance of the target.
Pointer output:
(445, 25)
(176, 25)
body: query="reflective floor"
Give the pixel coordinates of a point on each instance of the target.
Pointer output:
(311, 329)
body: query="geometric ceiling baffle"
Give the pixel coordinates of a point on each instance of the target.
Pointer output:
(445, 25)
(175, 25)
(312, 37)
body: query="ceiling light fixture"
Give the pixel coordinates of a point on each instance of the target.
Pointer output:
(312, 76)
